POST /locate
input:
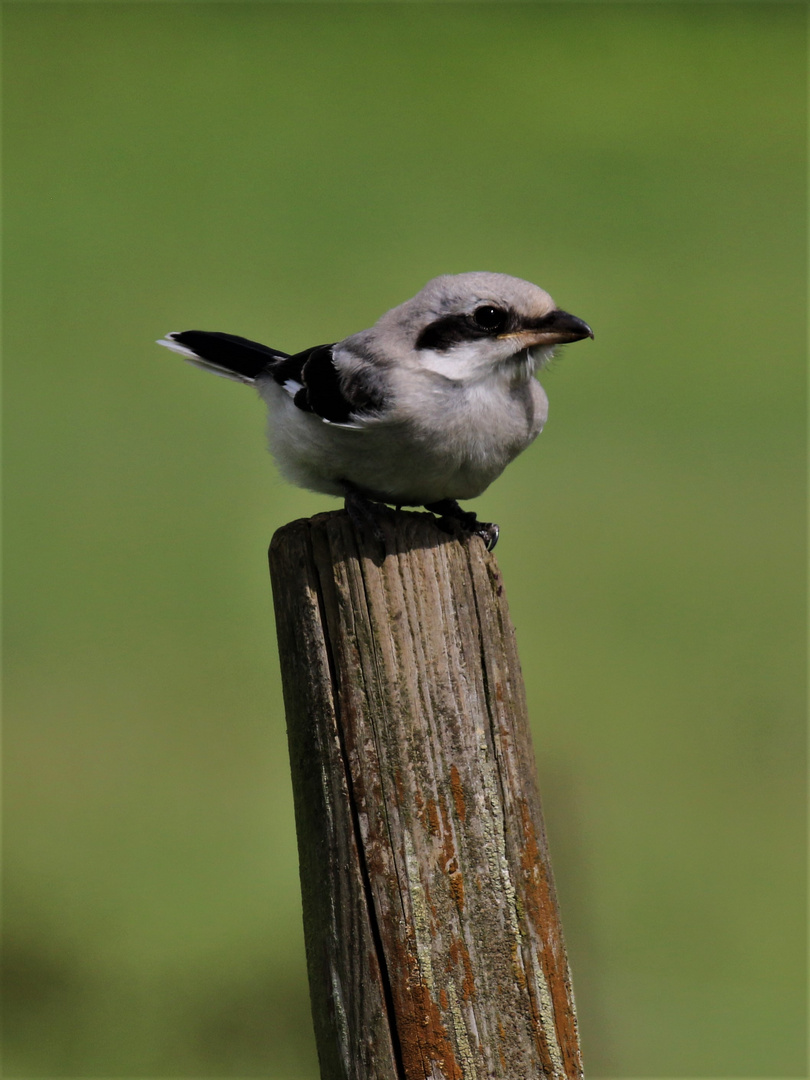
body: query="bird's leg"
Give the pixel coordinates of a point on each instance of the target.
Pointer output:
(362, 511)
(451, 513)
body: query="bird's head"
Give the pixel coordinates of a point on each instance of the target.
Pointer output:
(464, 326)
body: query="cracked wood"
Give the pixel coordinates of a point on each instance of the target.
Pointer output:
(434, 944)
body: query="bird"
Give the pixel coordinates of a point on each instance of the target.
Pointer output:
(425, 408)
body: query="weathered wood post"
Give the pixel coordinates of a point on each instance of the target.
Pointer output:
(433, 939)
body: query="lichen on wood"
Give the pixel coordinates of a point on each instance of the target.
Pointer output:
(434, 943)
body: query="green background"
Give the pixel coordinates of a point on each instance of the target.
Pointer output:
(288, 172)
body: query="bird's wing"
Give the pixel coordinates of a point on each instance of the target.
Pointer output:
(232, 357)
(311, 378)
(317, 385)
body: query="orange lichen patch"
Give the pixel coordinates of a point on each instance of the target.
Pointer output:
(541, 909)
(468, 985)
(430, 818)
(458, 794)
(457, 889)
(423, 1038)
(460, 954)
(443, 999)
(502, 1037)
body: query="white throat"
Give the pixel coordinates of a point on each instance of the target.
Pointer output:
(468, 363)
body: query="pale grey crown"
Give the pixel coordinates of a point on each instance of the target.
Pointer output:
(452, 294)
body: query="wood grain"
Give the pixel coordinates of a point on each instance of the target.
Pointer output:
(434, 945)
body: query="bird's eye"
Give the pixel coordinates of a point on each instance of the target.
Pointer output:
(490, 318)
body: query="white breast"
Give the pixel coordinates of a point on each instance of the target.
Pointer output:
(440, 441)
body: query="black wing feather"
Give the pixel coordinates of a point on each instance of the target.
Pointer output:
(322, 389)
(311, 376)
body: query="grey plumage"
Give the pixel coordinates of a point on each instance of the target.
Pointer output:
(428, 405)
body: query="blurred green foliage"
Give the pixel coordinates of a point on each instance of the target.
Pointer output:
(288, 172)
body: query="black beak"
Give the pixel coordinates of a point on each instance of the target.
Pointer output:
(560, 327)
(556, 328)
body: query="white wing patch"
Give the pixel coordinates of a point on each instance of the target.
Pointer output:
(349, 425)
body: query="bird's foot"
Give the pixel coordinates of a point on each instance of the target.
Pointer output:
(451, 516)
(489, 533)
(363, 512)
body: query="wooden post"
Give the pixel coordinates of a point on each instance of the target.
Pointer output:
(433, 939)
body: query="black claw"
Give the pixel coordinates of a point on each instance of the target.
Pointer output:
(489, 533)
(451, 517)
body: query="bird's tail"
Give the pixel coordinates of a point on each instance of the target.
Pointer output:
(224, 354)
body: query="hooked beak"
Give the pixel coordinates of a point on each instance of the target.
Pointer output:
(557, 328)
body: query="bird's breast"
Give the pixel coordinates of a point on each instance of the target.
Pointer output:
(485, 420)
(436, 442)
(471, 433)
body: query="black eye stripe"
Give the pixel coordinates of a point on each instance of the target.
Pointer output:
(451, 330)
(541, 322)
(448, 331)
(487, 320)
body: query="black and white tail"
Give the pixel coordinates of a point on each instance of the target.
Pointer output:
(227, 355)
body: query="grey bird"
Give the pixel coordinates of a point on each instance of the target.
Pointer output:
(425, 408)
